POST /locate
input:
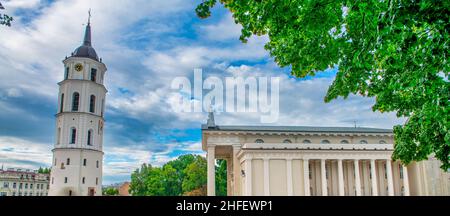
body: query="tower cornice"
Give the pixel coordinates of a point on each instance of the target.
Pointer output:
(78, 149)
(83, 113)
(86, 81)
(84, 59)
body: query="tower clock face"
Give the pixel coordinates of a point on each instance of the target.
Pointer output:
(78, 67)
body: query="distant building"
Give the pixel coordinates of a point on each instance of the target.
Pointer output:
(124, 188)
(23, 182)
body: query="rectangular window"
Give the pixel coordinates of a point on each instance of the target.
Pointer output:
(84, 180)
(3, 194)
(65, 179)
(14, 185)
(93, 74)
(73, 136)
(26, 185)
(96, 181)
(92, 104)
(90, 137)
(97, 164)
(84, 162)
(31, 186)
(5, 185)
(20, 185)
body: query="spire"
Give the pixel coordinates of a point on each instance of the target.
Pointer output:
(87, 34)
(211, 123)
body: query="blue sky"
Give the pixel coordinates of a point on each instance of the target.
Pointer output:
(145, 44)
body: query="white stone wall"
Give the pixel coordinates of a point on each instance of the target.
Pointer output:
(75, 172)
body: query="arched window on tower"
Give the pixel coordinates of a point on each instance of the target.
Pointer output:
(89, 138)
(61, 106)
(75, 101)
(93, 74)
(306, 141)
(363, 142)
(92, 104)
(68, 161)
(66, 73)
(287, 141)
(73, 135)
(325, 142)
(344, 141)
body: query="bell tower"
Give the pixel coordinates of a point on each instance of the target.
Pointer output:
(78, 151)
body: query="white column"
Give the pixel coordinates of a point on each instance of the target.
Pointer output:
(374, 178)
(389, 178)
(357, 178)
(290, 190)
(324, 177)
(266, 177)
(405, 180)
(341, 178)
(211, 180)
(236, 171)
(248, 177)
(306, 176)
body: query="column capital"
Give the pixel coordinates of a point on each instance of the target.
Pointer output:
(211, 145)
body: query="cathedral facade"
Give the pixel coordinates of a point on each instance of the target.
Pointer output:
(78, 151)
(316, 161)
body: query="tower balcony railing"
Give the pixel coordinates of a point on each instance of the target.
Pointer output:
(301, 146)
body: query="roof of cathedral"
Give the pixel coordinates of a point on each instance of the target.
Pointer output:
(86, 50)
(298, 129)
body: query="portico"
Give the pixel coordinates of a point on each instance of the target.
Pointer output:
(315, 161)
(332, 171)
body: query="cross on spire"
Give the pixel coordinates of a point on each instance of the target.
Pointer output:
(89, 17)
(87, 34)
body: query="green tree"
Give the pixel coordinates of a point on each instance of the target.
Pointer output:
(396, 51)
(5, 19)
(138, 177)
(221, 178)
(110, 191)
(44, 170)
(184, 176)
(171, 181)
(195, 175)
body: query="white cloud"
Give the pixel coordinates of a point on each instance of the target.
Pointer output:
(15, 4)
(224, 30)
(20, 153)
